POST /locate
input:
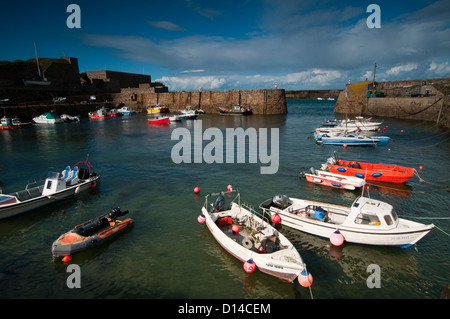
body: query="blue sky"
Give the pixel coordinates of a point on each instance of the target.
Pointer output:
(245, 44)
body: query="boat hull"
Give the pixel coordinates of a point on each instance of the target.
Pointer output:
(373, 172)
(404, 236)
(163, 120)
(273, 264)
(20, 207)
(71, 243)
(334, 180)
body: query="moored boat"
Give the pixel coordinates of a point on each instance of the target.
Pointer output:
(48, 118)
(6, 123)
(367, 221)
(252, 240)
(236, 110)
(345, 139)
(370, 171)
(91, 233)
(174, 118)
(57, 186)
(99, 114)
(159, 120)
(125, 110)
(333, 180)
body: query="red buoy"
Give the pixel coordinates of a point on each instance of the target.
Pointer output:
(249, 266)
(197, 190)
(67, 258)
(229, 188)
(275, 218)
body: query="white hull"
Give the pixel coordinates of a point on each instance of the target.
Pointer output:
(285, 264)
(33, 203)
(402, 233)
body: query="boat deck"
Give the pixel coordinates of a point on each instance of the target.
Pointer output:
(247, 238)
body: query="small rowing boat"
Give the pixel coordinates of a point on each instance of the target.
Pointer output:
(333, 180)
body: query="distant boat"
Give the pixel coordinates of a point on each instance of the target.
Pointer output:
(345, 139)
(48, 118)
(7, 124)
(99, 114)
(159, 120)
(236, 110)
(333, 180)
(125, 110)
(37, 81)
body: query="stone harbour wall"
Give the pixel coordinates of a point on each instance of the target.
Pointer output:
(262, 101)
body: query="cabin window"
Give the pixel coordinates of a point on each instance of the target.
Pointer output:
(49, 184)
(388, 219)
(367, 219)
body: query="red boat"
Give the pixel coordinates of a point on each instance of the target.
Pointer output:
(159, 120)
(372, 172)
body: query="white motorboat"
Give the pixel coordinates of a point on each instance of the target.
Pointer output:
(174, 118)
(367, 221)
(253, 240)
(346, 139)
(125, 110)
(48, 118)
(56, 187)
(333, 180)
(69, 118)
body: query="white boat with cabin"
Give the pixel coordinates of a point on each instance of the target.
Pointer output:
(367, 221)
(57, 186)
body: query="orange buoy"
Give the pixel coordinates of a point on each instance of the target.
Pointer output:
(67, 258)
(345, 145)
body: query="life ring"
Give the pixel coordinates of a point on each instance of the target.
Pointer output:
(303, 213)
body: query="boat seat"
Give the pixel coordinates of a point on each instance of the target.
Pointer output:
(23, 195)
(35, 192)
(73, 176)
(66, 173)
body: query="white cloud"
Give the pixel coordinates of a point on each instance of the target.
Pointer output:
(440, 69)
(166, 25)
(192, 83)
(402, 68)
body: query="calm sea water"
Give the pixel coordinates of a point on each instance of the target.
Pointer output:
(168, 254)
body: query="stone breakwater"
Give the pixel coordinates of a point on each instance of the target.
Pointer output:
(425, 100)
(262, 101)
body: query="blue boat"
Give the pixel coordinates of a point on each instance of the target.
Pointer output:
(345, 139)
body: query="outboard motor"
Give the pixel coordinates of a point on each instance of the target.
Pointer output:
(115, 213)
(218, 204)
(281, 201)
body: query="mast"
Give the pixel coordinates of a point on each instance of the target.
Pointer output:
(37, 60)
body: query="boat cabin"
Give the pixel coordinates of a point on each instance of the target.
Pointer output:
(54, 183)
(370, 213)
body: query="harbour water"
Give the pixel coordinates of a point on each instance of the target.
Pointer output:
(168, 254)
